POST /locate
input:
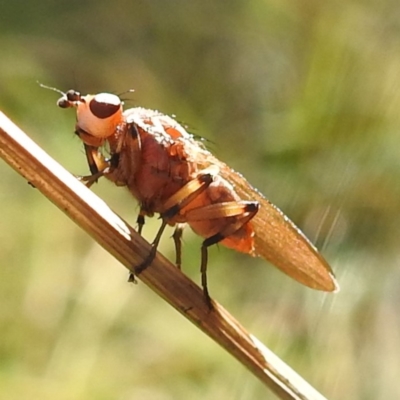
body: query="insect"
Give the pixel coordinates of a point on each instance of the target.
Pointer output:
(172, 174)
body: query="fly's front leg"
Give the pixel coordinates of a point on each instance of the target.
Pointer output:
(98, 165)
(238, 213)
(89, 180)
(172, 207)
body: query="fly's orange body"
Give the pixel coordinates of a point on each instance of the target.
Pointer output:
(172, 174)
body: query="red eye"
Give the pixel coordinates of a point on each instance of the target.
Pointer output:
(104, 105)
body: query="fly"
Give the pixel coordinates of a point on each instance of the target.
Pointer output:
(170, 173)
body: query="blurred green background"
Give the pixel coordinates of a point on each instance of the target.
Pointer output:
(303, 98)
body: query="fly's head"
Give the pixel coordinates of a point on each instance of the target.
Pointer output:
(97, 116)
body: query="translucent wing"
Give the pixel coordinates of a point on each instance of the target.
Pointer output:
(279, 241)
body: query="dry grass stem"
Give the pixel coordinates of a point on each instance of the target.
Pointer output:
(125, 244)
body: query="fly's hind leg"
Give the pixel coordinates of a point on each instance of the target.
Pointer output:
(172, 207)
(243, 211)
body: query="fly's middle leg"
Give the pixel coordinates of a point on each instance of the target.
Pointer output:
(177, 236)
(172, 207)
(149, 259)
(141, 220)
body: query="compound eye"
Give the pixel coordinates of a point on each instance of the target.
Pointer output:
(104, 105)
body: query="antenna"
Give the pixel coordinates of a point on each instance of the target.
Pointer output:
(50, 88)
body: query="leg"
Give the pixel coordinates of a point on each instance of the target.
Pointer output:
(88, 180)
(153, 250)
(239, 214)
(98, 165)
(140, 223)
(140, 220)
(172, 207)
(177, 236)
(186, 194)
(93, 159)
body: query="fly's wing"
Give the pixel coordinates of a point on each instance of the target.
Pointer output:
(279, 241)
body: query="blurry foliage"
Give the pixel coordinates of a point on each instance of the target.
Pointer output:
(303, 98)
